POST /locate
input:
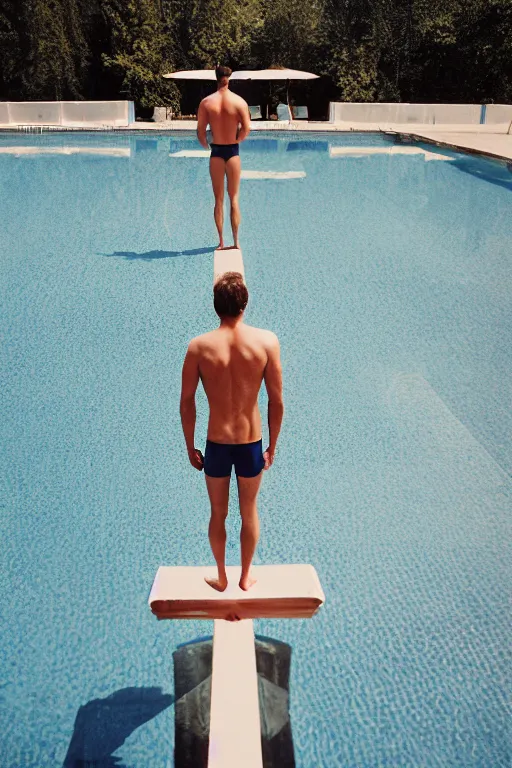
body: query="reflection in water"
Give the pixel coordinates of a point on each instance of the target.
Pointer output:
(146, 145)
(18, 151)
(307, 146)
(390, 150)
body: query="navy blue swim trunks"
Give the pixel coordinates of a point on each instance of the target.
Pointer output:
(220, 457)
(225, 151)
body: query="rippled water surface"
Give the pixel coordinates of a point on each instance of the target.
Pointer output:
(387, 277)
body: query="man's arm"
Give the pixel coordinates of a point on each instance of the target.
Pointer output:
(274, 385)
(245, 122)
(189, 382)
(202, 123)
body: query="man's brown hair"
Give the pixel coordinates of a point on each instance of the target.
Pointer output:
(221, 72)
(230, 295)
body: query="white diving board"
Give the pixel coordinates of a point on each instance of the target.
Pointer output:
(227, 260)
(280, 592)
(235, 728)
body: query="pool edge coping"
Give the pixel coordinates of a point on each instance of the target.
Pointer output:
(323, 127)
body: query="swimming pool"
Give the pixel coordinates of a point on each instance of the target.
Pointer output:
(387, 277)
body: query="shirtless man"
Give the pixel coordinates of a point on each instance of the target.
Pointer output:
(232, 361)
(229, 119)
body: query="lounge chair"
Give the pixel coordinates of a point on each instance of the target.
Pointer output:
(255, 113)
(283, 112)
(300, 113)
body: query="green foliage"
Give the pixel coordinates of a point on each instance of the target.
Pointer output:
(208, 32)
(288, 34)
(139, 51)
(393, 50)
(11, 56)
(57, 52)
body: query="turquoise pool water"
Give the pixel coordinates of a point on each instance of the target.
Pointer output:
(388, 279)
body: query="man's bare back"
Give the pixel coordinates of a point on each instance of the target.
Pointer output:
(225, 112)
(232, 364)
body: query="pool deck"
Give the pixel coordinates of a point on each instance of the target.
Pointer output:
(488, 140)
(497, 145)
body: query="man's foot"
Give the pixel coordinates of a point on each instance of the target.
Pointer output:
(246, 582)
(218, 584)
(220, 246)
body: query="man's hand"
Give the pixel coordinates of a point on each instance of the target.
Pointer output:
(268, 457)
(196, 458)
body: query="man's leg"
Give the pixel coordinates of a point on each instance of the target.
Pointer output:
(248, 488)
(233, 170)
(218, 491)
(217, 173)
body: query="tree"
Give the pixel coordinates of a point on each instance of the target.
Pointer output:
(350, 48)
(12, 53)
(367, 50)
(57, 53)
(288, 34)
(210, 32)
(140, 52)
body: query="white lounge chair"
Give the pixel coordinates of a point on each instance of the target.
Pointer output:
(255, 113)
(283, 112)
(300, 113)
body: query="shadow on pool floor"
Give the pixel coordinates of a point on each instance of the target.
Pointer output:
(103, 725)
(151, 255)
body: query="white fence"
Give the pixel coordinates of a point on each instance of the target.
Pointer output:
(426, 114)
(422, 114)
(67, 113)
(498, 114)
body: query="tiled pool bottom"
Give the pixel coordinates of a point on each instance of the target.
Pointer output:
(393, 475)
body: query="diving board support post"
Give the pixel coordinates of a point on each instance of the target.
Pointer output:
(235, 730)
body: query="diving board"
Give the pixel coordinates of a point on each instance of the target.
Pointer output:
(280, 592)
(235, 728)
(227, 260)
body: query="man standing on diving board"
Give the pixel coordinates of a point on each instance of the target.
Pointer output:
(232, 361)
(229, 120)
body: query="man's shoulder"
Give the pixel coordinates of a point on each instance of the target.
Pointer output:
(234, 98)
(199, 343)
(212, 97)
(239, 100)
(268, 338)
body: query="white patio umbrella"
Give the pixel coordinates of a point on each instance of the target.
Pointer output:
(275, 74)
(244, 74)
(192, 74)
(247, 74)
